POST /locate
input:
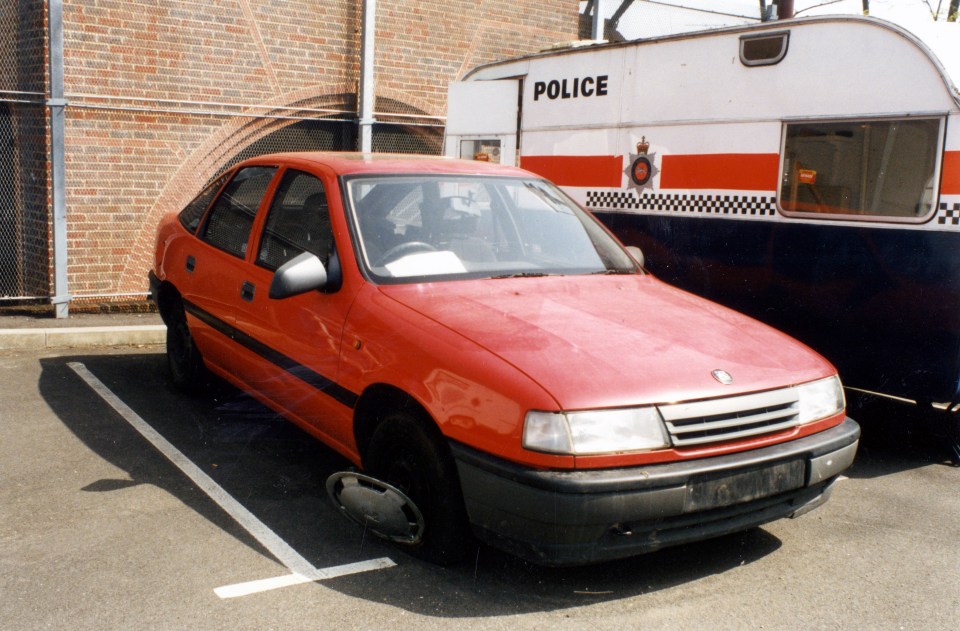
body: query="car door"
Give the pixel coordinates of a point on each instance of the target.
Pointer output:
(213, 286)
(299, 337)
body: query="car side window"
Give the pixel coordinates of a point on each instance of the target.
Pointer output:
(192, 213)
(231, 217)
(298, 221)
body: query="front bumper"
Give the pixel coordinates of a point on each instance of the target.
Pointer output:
(578, 517)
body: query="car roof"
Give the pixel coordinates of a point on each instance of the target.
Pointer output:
(345, 163)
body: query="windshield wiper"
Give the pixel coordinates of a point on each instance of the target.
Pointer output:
(521, 275)
(611, 272)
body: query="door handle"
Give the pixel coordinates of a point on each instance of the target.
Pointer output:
(247, 290)
(191, 263)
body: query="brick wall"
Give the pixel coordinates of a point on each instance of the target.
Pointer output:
(164, 93)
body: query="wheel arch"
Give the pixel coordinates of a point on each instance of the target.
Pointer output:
(375, 404)
(168, 299)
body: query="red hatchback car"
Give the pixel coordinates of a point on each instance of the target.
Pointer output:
(492, 360)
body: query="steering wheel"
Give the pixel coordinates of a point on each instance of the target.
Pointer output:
(402, 250)
(469, 201)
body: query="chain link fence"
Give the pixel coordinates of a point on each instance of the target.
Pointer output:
(24, 221)
(130, 160)
(626, 21)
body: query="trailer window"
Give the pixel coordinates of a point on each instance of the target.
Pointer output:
(767, 49)
(486, 150)
(881, 170)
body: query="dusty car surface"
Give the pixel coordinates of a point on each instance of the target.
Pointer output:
(491, 359)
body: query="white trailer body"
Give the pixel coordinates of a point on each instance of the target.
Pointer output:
(805, 171)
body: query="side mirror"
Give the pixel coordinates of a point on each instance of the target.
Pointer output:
(304, 272)
(637, 254)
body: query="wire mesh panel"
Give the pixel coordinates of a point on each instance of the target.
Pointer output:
(24, 220)
(305, 135)
(398, 138)
(131, 163)
(653, 19)
(403, 128)
(164, 96)
(22, 37)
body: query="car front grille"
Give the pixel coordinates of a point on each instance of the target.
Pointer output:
(731, 418)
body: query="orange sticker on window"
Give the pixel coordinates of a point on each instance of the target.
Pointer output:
(807, 176)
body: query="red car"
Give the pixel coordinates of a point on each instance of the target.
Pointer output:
(492, 360)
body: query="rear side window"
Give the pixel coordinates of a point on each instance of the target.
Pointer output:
(191, 215)
(875, 170)
(231, 217)
(298, 222)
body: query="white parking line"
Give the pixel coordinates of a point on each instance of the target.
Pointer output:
(303, 571)
(253, 587)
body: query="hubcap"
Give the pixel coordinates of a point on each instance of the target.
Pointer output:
(379, 507)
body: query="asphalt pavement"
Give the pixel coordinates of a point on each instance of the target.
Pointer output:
(111, 518)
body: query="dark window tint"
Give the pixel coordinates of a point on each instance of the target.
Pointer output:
(870, 169)
(231, 217)
(298, 222)
(763, 50)
(191, 215)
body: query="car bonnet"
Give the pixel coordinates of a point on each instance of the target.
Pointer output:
(608, 341)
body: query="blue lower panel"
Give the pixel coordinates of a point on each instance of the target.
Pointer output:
(882, 304)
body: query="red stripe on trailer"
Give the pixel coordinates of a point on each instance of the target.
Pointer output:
(725, 171)
(595, 171)
(950, 173)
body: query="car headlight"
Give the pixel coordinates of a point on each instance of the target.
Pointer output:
(595, 431)
(820, 399)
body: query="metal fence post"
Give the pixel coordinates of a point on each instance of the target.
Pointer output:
(368, 28)
(598, 27)
(58, 194)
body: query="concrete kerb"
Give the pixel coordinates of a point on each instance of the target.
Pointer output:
(32, 327)
(85, 336)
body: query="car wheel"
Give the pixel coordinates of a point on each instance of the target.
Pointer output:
(953, 438)
(411, 455)
(187, 371)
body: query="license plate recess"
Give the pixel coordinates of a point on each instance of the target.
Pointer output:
(736, 488)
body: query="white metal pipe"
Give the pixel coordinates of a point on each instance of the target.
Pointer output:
(598, 20)
(58, 165)
(367, 100)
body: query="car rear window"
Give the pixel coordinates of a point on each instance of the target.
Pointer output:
(191, 215)
(230, 220)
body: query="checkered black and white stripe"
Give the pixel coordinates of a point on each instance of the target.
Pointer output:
(739, 205)
(949, 214)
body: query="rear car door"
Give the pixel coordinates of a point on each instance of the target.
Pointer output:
(214, 288)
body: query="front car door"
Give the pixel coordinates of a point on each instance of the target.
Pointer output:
(298, 339)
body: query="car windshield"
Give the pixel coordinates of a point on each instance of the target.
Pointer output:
(412, 228)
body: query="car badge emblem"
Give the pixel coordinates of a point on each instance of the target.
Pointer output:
(723, 377)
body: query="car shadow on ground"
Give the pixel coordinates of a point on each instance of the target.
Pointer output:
(278, 473)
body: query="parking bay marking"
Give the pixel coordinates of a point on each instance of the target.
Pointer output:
(302, 570)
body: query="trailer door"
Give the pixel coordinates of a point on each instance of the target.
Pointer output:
(482, 120)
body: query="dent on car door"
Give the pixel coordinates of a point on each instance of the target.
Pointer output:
(299, 336)
(215, 265)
